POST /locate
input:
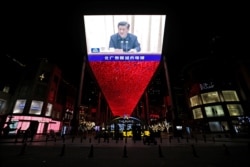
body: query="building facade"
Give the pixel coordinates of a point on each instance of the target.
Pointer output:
(42, 102)
(217, 94)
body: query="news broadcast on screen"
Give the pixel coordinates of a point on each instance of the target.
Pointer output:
(122, 51)
(112, 37)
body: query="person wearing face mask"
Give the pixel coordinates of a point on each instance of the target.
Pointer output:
(123, 41)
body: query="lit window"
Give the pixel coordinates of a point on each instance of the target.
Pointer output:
(2, 106)
(214, 111)
(36, 107)
(235, 109)
(215, 126)
(195, 101)
(48, 110)
(230, 95)
(6, 89)
(224, 125)
(19, 106)
(197, 113)
(210, 97)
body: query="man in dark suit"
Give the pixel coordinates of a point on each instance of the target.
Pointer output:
(123, 41)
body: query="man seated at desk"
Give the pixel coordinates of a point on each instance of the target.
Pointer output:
(123, 41)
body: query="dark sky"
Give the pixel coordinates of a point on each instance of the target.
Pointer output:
(32, 30)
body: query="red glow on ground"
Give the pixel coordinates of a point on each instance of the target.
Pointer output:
(123, 83)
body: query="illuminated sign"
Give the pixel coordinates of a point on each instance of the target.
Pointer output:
(209, 85)
(124, 51)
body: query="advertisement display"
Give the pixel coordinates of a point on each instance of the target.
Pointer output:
(124, 51)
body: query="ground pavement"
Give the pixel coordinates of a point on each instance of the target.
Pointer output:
(77, 151)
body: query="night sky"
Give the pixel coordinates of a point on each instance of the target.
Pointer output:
(55, 31)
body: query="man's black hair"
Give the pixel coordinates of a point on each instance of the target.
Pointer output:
(124, 23)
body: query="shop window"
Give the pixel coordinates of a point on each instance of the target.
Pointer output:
(215, 126)
(214, 111)
(195, 101)
(48, 110)
(19, 106)
(224, 125)
(2, 106)
(36, 107)
(210, 97)
(230, 95)
(235, 109)
(197, 113)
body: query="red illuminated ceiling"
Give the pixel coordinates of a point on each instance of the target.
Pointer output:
(123, 83)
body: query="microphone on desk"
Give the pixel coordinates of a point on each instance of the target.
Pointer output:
(122, 45)
(126, 46)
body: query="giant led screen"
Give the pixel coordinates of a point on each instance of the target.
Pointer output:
(124, 51)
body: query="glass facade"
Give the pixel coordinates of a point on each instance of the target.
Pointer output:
(215, 126)
(2, 106)
(36, 107)
(48, 110)
(230, 95)
(220, 109)
(19, 106)
(214, 111)
(235, 109)
(210, 97)
(197, 113)
(195, 101)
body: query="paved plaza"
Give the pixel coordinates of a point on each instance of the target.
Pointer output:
(99, 152)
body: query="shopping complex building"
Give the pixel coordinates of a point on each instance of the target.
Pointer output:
(137, 91)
